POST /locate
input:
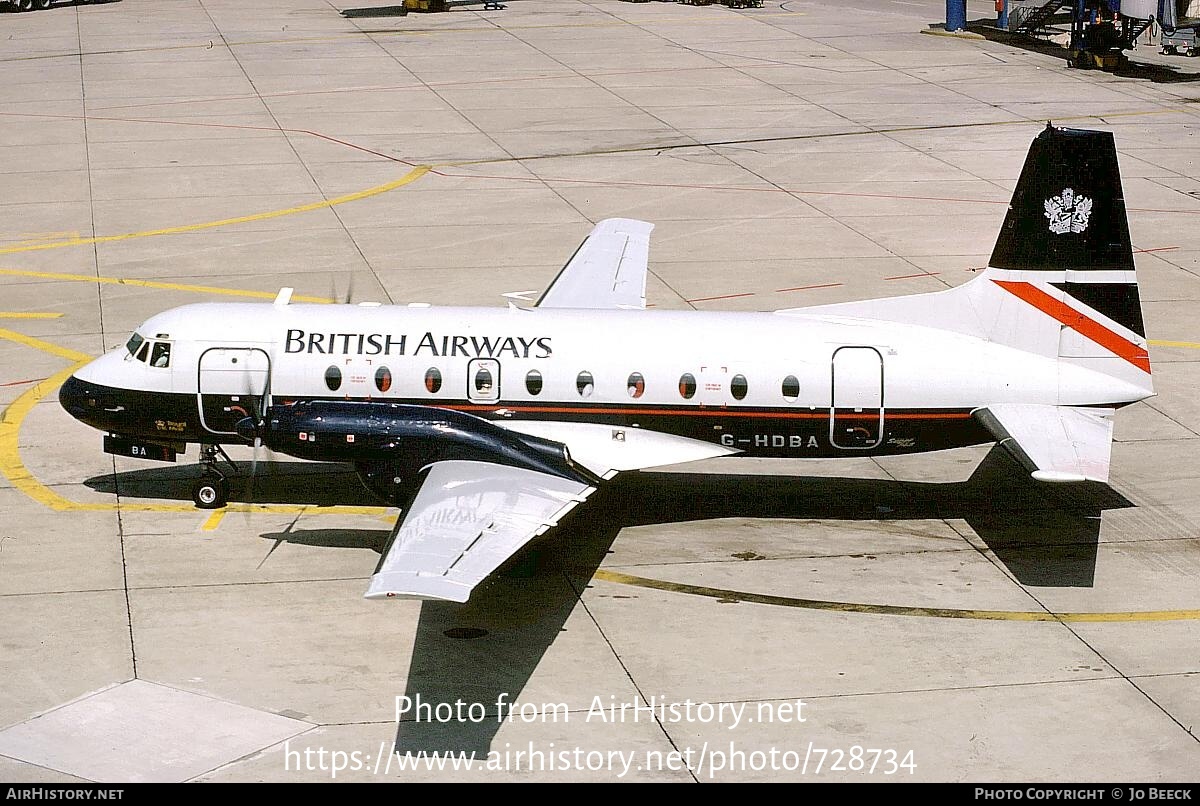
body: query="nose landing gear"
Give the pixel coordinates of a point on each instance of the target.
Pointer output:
(211, 491)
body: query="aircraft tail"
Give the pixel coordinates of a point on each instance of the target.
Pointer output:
(1065, 263)
(1060, 282)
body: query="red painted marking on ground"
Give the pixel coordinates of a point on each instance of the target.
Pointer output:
(1156, 249)
(910, 276)
(22, 383)
(723, 296)
(1113, 342)
(729, 188)
(807, 287)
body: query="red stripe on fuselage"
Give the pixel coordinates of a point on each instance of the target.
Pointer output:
(1065, 314)
(701, 411)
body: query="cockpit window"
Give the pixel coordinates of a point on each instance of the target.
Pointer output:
(144, 353)
(160, 356)
(135, 341)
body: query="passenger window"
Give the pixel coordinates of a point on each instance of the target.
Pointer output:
(790, 389)
(433, 380)
(383, 379)
(144, 353)
(533, 382)
(584, 384)
(161, 355)
(636, 385)
(738, 387)
(687, 386)
(333, 379)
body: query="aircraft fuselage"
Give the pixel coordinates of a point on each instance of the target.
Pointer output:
(758, 384)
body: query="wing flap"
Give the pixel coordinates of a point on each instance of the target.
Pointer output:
(1055, 443)
(467, 519)
(608, 270)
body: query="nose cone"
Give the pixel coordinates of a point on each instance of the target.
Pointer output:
(73, 396)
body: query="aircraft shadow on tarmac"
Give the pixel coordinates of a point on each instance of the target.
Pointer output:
(1046, 535)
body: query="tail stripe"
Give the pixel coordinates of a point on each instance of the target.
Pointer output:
(1118, 301)
(1113, 342)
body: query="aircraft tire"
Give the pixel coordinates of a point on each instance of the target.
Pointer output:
(210, 492)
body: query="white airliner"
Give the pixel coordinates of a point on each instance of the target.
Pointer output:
(487, 425)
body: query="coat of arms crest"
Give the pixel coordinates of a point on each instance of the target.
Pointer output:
(1068, 212)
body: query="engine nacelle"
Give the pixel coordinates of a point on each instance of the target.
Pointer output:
(377, 436)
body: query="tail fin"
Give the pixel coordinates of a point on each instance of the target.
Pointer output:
(1061, 280)
(1064, 256)
(1068, 215)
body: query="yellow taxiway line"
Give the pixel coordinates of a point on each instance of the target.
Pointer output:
(199, 289)
(213, 521)
(726, 595)
(20, 315)
(1191, 345)
(410, 177)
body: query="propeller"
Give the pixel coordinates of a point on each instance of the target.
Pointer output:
(253, 428)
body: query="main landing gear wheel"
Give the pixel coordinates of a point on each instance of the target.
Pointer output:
(210, 492)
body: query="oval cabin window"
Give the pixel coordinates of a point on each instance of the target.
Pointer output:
(585, 384)
(687, 386)
(383, 379)
(636, 385)
(433, 380)
(738, 387)
(533, 382)
(333, 379)
(791, 388)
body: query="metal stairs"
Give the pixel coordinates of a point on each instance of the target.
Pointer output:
(1040, 16)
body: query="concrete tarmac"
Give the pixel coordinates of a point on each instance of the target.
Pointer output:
(934, 618)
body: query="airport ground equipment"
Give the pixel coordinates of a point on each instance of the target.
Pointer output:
(1179, 40)
(1102, 30)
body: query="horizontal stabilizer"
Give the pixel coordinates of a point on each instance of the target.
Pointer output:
(1054, 443)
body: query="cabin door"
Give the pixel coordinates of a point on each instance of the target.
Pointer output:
(232, 382)
(856, 416)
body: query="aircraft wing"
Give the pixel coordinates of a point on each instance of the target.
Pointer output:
(466, 520)
(608, 270)
(1055, 443)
